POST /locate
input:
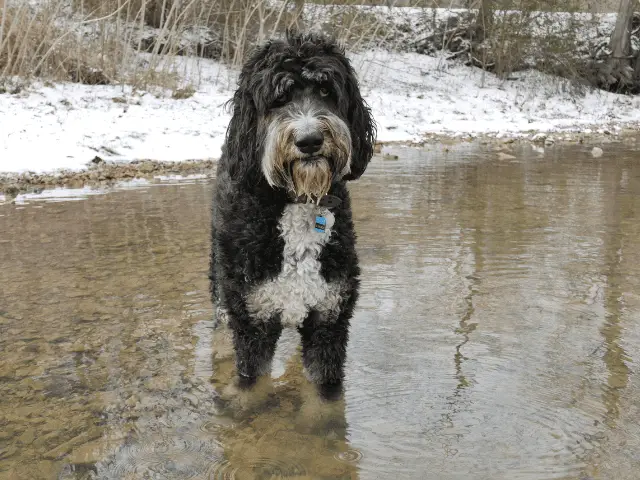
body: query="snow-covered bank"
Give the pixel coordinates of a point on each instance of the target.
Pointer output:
(47, 128)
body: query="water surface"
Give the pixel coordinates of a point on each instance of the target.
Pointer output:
(497, 335)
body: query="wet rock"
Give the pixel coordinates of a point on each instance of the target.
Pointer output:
(27, 437)
(94, 451)
(539, 150)
(6, 433)
(35, 385)
(64, 448)
(157, 384)
(46, 441)
(78, 347)
(8, 451)
(53, 425)
(147, 167)
(23, 412)
(11, 191)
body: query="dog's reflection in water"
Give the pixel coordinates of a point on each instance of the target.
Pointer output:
(282, 428)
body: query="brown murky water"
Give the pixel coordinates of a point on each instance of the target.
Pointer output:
(497, 336)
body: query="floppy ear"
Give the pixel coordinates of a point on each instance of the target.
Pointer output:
(362, 127)
(241, 145)
(237, 154)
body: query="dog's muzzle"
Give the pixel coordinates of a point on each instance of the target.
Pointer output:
(305, 150)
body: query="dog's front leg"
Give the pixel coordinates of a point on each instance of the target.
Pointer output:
(324, 351)
(255, 344)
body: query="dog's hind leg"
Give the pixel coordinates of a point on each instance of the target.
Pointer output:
(243, 386)
(254, 345)
(324, 351)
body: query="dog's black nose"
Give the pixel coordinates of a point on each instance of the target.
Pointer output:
(310, 143)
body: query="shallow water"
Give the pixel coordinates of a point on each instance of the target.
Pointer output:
(497, 335)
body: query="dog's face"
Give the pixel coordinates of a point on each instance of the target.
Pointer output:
(300, 99)
(307, 143)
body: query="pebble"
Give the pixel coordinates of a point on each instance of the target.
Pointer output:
(78, 347)
(597, 152)
(191, 399)
(64, 448)
(537, 149)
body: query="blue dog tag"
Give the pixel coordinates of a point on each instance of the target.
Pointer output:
(321, 224)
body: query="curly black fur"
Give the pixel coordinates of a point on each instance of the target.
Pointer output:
(247, 246)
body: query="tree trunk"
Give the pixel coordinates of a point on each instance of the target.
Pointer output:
(480, 31)
(3, 20)
(484, 18)
(486, 14)
(298, 19)
(620, 44)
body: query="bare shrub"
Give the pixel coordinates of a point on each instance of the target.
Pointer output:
(220, 29)
(33, 44)
(515, 35)
(138, 42)
(528, 34)
(90, 46)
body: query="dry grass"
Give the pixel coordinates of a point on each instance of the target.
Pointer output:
(42, 42)
(33, 45)
(100, 41)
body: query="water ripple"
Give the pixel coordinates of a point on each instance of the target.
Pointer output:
(261, 467)
(349, 456)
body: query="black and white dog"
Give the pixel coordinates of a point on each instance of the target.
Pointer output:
(283, 243)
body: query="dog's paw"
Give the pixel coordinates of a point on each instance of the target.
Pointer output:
(320, 417)
(330, 392)
(244, 397)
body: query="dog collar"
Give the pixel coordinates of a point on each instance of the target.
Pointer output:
(328, 201)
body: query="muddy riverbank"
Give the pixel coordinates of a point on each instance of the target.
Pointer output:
(103, 173)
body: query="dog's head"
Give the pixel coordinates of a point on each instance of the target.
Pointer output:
(298, 117)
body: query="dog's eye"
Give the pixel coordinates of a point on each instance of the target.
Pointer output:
(281, 99)
(324, 91)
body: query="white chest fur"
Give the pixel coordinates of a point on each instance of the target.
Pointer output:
(299, 287)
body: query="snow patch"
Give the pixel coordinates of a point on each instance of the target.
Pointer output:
(64, 126)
